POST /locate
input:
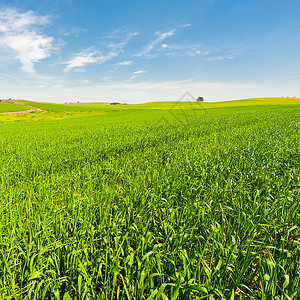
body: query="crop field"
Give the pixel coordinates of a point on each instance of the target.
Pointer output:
(7, 107)
(69, 107)
(151, 201)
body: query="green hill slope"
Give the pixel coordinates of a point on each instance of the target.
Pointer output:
(10, 107)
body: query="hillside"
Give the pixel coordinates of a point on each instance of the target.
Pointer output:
(75, 108)
(7, 106)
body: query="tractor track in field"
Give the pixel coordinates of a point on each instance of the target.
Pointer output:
(21, 112)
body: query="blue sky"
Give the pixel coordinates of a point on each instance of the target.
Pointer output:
(137, 51)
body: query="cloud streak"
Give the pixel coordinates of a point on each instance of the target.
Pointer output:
(219, 58)
(140, 72)
(19, 33)
(159, 47)
(120, 39)
(181, 50)
(124, 63)
(87, 57)
(158, 40)
(136, 73)
(113, 46)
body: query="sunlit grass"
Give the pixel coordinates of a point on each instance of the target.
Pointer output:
(8, 107)
(54, 107)
(152, 204)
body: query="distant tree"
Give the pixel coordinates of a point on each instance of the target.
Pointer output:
(200, 99)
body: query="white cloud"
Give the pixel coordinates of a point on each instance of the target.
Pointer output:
(140, 72)
(119, 39)
(113, 46)
(116, 45)
(124, 63)
(86, 57)
(159, 39)
(180, 50)
(18, 32)
(11, 20)
(122, 34)
(219, 58)
(131, 34)
(75, 31)
(156, 48)
(29, 48)
(136, 73)
(186, 25)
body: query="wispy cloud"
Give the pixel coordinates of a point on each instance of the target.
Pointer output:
(119, 39)
(112, 45)
(159, 47)
(132, 34)
(140, 72)
(219, 58)
(124, 63)
(75, 31)
(86, 57)
(122, 34)
(186, 25)
(180, 50)
(158, 40)
(19, 33)
(137, 73)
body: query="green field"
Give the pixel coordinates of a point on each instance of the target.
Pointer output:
(69, 107)
(8, 107)
(151, 201)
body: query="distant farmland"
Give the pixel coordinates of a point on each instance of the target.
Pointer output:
(9, 107)
(162, 200)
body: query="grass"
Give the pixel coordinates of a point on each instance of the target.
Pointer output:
(163, 105)
(73, 107)
(8, 107)
(148, 203)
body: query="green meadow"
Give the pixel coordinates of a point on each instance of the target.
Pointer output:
(166, 200)
(8, 107)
